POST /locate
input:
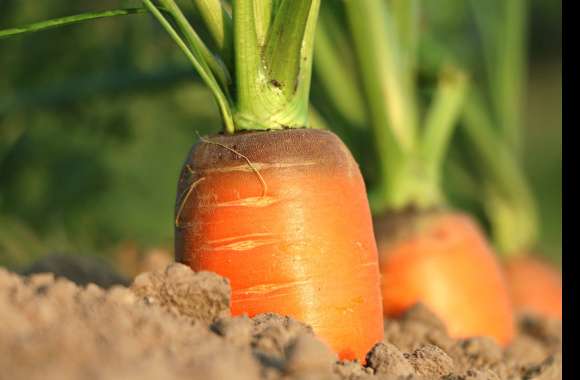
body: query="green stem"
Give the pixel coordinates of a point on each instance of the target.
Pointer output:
(406, 16)
(263, 15)
(68, 20)
(502, 27)
(336, 76)
(219, 24)
(284, 44)
(441, 119)
(509, 202)
(391, 109)
(271, 95)
(204, 56)
(379, 57)
(202, 69)
(510, 71)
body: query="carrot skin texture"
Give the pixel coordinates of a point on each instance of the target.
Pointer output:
(292, 232)
(535, 287)
(444, 262)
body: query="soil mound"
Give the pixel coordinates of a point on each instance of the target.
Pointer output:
(175, 324)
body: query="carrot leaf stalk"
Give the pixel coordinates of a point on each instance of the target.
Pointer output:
(504, 42)
(219, 23)
(68, 20)
(410, 147)
(509, 202)
(440, 120)
(273, 68)
(492, 127)
(194, 56)
(337, 73)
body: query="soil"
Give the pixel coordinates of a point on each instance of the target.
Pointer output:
(176, 324)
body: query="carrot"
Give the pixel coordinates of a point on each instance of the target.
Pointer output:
(285, 217)
(535, 287)
(438, 258)
(443, 261)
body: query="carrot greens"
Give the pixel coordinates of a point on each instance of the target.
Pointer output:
(410, 144)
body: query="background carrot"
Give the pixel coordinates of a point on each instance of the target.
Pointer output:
(435, 262)
(535, 286)
(428, 253)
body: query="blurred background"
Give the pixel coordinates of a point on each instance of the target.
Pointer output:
(96, 120)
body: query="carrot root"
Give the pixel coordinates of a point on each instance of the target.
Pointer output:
(305, 248)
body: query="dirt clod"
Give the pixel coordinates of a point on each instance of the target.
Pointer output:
(308, 354)
(201, 296)
(386, 359)
(430, 361)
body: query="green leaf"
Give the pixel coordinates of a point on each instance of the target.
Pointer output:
(269, 94)
(406, 18)
(509, 201)
(337, 76)
(442, 116)
(283, 50)
(200, 66)
(219, 24)
(198, 47)
(68, 20)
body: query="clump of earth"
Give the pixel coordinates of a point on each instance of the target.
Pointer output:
(176, 324)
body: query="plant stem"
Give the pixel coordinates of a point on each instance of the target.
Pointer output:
(204, 56)
(68, 20)
(284, 44)
(502, 26)
(270, 94)
(219, 24)
(441, 119)
(406, 17)
(508, 199)
(206, 75)
(392, 110)
(510, 71)
(336, 76)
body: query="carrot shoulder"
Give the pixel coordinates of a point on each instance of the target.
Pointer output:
(284, 216)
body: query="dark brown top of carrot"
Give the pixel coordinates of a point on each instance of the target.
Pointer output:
(393, 226)
(311, 147)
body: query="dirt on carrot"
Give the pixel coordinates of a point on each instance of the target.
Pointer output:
(175, 324)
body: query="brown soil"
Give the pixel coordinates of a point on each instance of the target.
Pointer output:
(175, 324)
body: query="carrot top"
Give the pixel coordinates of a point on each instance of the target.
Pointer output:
(260, 69)
(410, 144)
(257, 63)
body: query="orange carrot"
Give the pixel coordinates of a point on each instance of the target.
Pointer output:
(284, 216)
(443, 261)
(535, 286)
